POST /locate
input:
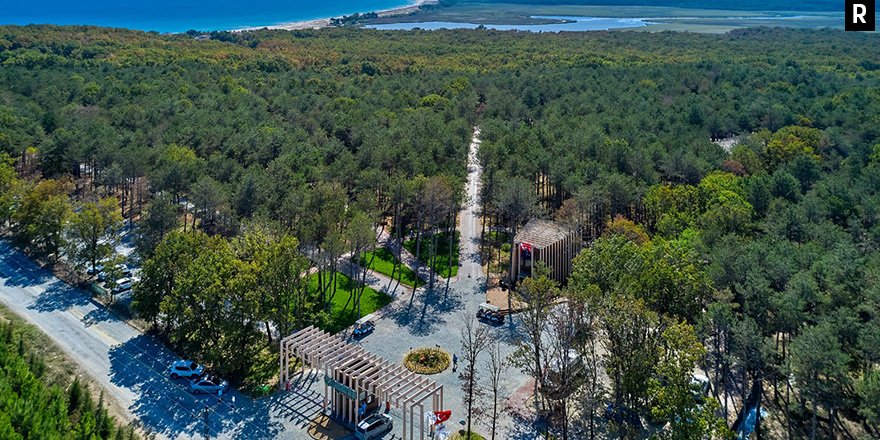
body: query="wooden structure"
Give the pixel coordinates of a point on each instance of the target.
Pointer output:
(357, 382)
(546, 241)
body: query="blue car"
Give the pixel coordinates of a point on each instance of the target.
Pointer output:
(622, 415)
(363, 327)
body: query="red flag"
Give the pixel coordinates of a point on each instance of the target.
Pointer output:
(442, 416)
(526, 247)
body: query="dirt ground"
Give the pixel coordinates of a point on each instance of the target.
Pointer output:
(323, 428)
(502, 297)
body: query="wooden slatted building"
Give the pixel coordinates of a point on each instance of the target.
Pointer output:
(544, 241)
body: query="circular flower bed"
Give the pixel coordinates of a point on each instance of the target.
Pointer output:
(426, 360)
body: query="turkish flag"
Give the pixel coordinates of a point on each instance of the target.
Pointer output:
(442, 416)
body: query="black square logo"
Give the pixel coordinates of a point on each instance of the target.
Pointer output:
(860, 15)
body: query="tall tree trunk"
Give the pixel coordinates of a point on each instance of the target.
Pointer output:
(418, 248)
(814, 422)
(494, 411)
(787, 392)
(470, 410)
(451, 244)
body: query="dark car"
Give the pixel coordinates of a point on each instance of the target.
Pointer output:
(363, 327)
(622, 415)
(490, 313)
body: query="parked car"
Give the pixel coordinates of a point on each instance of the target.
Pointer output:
(124, 271)
(187, 369)
(374, 426)
(99, 268)
(622, 415)
(122, 285)
(490, 313)
(208, 385)
(363, 327)
(699, 387)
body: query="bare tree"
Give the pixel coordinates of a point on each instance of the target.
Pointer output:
(592, 391)
(517, 202)
(475, 339)
(539, 292)
(563, 369)
(496, 366)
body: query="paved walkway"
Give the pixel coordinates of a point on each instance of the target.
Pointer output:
(431, 318)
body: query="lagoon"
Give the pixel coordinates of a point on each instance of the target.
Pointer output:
(181, 15)
(568, 24)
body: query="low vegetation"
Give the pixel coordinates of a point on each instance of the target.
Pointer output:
(343, 312)
(426, 360)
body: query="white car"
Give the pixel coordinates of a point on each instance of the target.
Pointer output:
(124, 271)
(122, 285)
(187, 369)
(208, 385)
(374, 426)
(99, 268)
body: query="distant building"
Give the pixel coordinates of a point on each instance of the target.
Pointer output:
(546, 241)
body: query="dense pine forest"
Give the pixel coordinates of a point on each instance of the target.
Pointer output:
(727, 186)
(37, 401)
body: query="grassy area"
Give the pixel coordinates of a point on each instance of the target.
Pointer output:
(443, 266)
(341, 318)
(384, 264)
(667, 18)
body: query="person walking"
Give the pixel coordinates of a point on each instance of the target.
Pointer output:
(454, 362)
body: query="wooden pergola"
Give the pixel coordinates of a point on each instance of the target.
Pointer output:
(354, 377)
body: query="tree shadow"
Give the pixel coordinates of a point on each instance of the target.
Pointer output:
(20, 270)
(99, 314)
(426, 311)
(511, 332)
(60, 296)
(167, 407)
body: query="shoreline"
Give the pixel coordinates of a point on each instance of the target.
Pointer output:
(325, 22)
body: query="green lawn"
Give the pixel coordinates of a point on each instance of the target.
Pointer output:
(340, 319)
(444, 267)
(384, 264)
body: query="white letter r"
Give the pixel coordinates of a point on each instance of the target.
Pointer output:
(859, 12)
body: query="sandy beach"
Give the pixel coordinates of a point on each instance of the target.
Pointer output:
(324, 22)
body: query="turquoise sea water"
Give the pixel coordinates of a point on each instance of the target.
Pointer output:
(181, 15)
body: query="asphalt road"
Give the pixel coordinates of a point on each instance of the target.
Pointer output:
(130, 366)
